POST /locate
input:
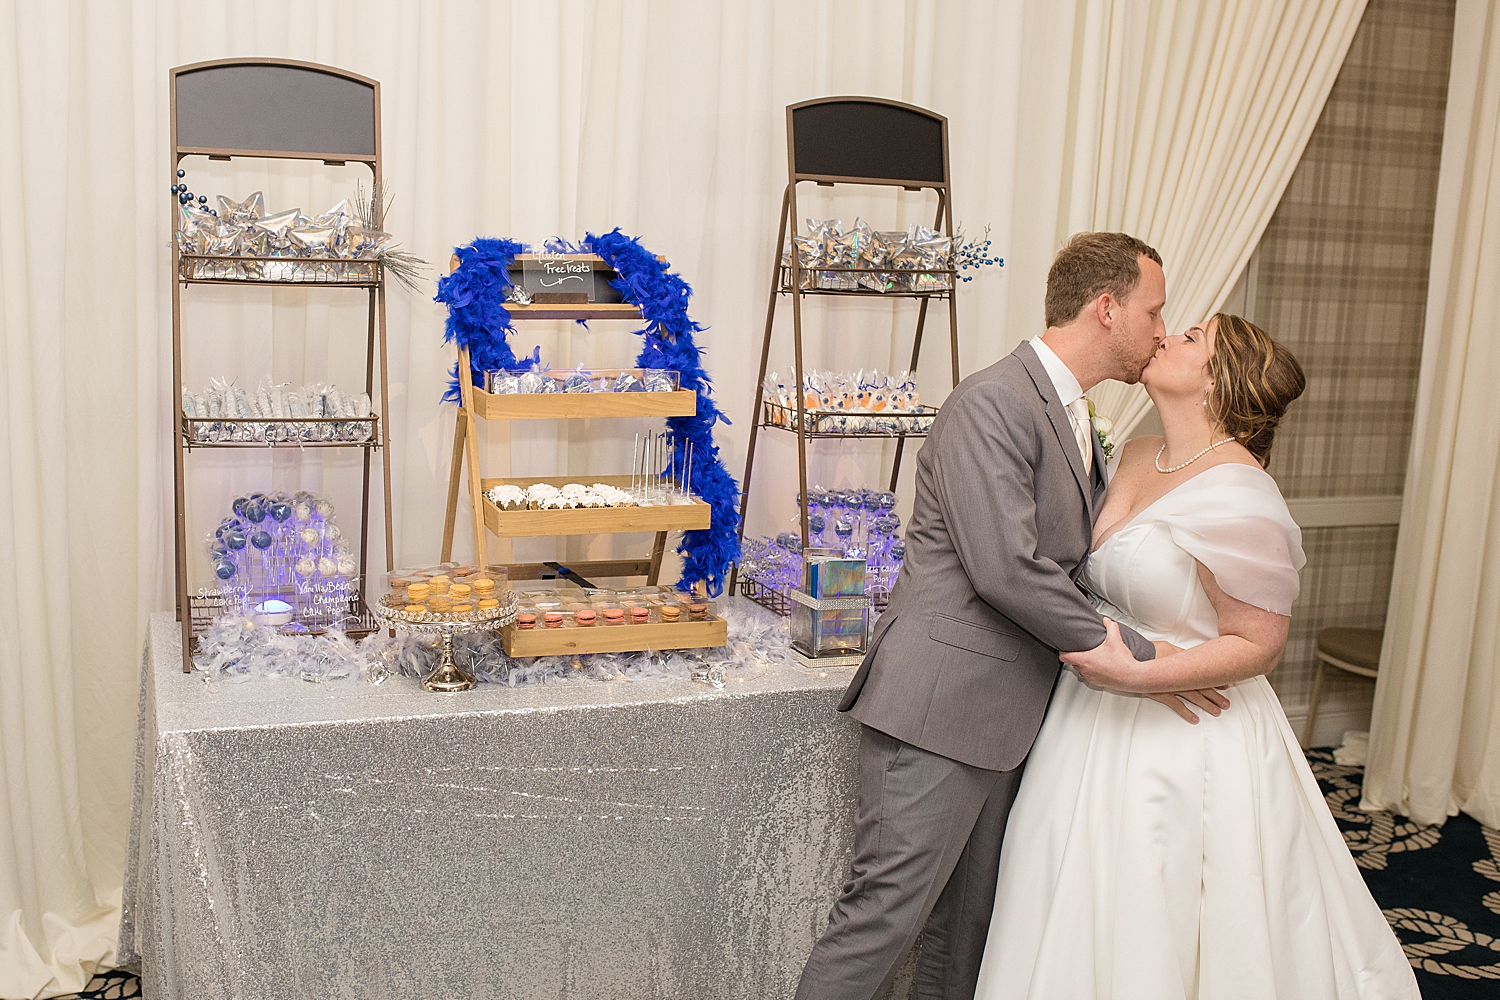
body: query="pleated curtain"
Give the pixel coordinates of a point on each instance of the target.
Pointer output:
(1435, 731)
(526, 120)
(523, 119)
(1186, 120)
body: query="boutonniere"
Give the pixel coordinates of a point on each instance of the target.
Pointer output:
(1103, 427)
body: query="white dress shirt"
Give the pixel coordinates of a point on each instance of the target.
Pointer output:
(1072, 397)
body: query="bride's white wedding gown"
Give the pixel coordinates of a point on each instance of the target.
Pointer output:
(1149, 858)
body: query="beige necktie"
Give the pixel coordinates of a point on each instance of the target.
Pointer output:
(1083, 429)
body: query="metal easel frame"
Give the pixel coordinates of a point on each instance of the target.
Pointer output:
(851, 140)
(289, 110)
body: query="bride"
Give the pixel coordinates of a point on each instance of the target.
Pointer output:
(1149, 859)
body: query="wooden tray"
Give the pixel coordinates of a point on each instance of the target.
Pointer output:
(573, 405)
(592, 521)
(583, 310)
(539, 641)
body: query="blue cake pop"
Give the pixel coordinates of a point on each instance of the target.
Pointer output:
(238, 506)
(235, 539)
(254, 511)
(280, 510)
(224, 569)
(261, 539)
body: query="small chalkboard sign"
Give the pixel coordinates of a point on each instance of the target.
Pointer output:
(559, 278)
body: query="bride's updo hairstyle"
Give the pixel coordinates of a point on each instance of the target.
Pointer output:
(1255, 380)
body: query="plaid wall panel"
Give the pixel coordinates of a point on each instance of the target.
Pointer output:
(1340, 277)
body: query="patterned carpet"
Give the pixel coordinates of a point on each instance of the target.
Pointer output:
(1439, 887)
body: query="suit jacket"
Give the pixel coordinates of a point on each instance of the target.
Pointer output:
(963, 661)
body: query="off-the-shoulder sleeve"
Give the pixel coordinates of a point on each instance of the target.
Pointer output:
(1233, 520)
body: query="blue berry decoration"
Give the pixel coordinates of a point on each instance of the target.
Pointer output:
(203, 199)
(182, 173)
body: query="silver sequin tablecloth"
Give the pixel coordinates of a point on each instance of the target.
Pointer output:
(648, 839)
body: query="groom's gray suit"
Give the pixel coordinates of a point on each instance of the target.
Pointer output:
(957, 679)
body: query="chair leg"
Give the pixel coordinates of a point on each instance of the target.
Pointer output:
(1312, 707)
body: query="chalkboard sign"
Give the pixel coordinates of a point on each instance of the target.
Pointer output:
(558, 278)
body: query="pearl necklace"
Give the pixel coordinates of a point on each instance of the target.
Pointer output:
(1184, 465)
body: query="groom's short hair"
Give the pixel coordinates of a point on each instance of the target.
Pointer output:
(1090, 265)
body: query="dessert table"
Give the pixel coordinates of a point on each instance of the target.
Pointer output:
(650, 838)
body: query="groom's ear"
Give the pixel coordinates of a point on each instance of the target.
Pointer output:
(1105, 308)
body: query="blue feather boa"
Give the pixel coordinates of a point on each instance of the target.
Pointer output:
(477, 319)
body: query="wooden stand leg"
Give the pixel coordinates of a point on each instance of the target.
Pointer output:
(385, 441)
(455, 471)
(657, 551)
(1312, 706)
(476, 495)
(765, 357)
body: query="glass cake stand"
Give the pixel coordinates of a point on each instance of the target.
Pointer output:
(449, 676)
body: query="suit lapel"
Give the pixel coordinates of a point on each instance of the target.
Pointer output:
(1100, 469)
(1058, 417)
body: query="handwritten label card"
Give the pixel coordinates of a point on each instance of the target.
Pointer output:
(558, 278)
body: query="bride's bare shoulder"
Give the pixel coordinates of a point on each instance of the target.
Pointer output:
(1133, 467)
(1138, 451)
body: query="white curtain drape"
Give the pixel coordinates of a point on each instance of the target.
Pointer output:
(1435, 732)
(1186, 120)
(518, 119)
(525, 120)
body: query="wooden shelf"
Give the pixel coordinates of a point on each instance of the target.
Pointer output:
(614, 638)
(584, 310)
(692, 516)
(583, 405)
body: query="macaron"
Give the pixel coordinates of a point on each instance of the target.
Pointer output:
(485, 603)
(483, 585)
(584, 618)
(671, 612)
(459, 591)
(418, 592)
(416, 609)
(639, 615)
(698, 609)
(461, 609)
(553, 619)
(526, 620)
(614, 616)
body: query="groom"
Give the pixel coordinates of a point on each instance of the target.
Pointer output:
(961, 665)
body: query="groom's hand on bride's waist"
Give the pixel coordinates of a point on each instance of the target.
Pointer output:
(1208, 699)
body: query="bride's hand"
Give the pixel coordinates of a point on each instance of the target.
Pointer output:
(1110, 664)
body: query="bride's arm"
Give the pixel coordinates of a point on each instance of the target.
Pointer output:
(1251, 642)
